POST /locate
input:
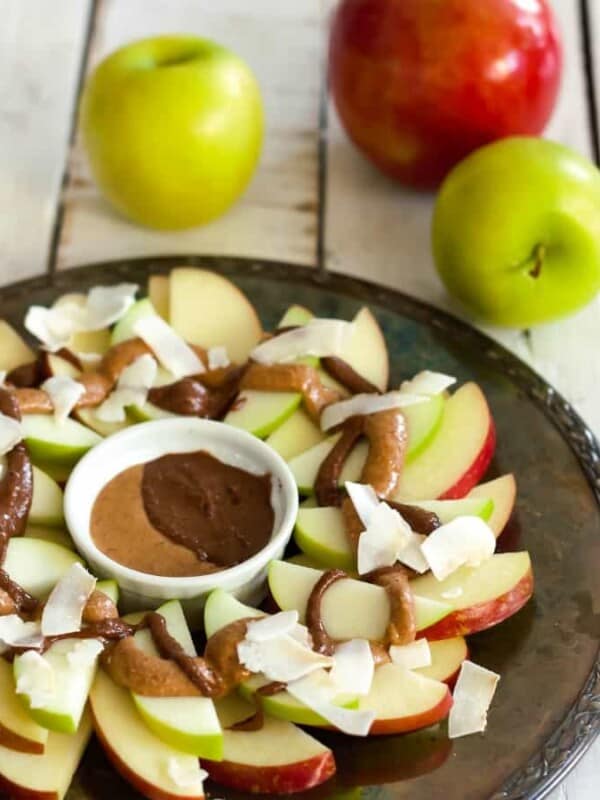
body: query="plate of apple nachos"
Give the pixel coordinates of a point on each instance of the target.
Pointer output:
(393, 643)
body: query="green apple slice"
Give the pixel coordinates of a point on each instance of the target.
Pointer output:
(123, 330)
(351, 608)
(321, 534)
(37, 565)
(47, 501)
(13, 350)
(18, 731)
(422, 422)
(295, 435)
(50, 441)
(59, 536)
(261, 413)
(295, 316)
(73, 680)
(222, 609)
(190, 724)
(89, 418)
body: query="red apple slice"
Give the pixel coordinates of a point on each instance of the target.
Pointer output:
(446, 657)
(459, 453)
(367, 351)
(405, 701)
(503, 492)
(138, 756)
(482, 596)
(25, 776)
(279, 758)
(18, 731)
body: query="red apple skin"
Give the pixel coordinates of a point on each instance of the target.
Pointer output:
(281, 779)
(477, 470)
(13, 741)
(146, 789)
(381, 727)
(419, 84)
(483, 615)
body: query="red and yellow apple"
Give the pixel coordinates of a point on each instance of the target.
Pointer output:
(419, 84)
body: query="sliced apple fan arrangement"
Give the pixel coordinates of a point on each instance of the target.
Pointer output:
(397, 540)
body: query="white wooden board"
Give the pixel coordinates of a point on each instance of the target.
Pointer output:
(40, 51)
(276, 217)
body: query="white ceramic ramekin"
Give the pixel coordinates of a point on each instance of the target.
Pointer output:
(149, 440)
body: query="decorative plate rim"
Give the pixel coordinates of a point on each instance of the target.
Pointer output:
(574, 735)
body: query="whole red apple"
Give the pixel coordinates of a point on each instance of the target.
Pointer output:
(418, 84)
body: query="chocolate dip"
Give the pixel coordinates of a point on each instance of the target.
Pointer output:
(183, 514)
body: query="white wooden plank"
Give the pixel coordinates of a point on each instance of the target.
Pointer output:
(40, 50)
(276, 217)
(377, 229)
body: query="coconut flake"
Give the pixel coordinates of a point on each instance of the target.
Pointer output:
(131, 389)
(91, 360)
(317, 691)
(64, 608)
(412, 556)
(10, 433)
(412, 656)
(364, 500)
(473, 695)
(428, 383)
(217, 357)
(272, 626)
(384, 539)
(107, 304)
(464, 541)
(364, 404)
(84, 653)
(64, 392)
(174, 354)
(103, 306)
(14, 632)
(353, 669)
(319, 337)
(37, 679)
(186, 773)
(281, 659)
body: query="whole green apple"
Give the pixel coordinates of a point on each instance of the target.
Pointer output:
(516, 231)
(173, 128)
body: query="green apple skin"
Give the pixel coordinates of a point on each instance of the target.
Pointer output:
(173, 128)
(516, 231)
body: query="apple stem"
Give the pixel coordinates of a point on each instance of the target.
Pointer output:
(539, 251)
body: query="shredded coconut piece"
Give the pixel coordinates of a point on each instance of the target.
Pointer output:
(271, 626)
(317, 691)
(14, 632)
(10, 433)
(319, 337)
(37, 679)
(473, 696)
(465, 540)
(64, 392)
(428, 383)
(185, 772)
(384, 539)
(131, 390)
(364, 404)
(412, 656)
(218, 358)
(64, 608)
(173, 353)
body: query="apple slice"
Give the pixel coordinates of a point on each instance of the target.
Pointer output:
(295, 316)
(296, 434)
(367, 351)
(446, 657)
(351, 609)
(25, 776)
(97, 342)
(73, 680)
(458, 454)
(158, 292)
(47, 502)
(37, 565)
(58, 536)
(261, 413)
(141, 758)
(422, 422)
(279, 758)
(482, 596)
(220, 610)
(321, 534)
(447, 510)
(18, 731)
(188, 723)
(123, 330)
(57, 366)
(89, 418)
(13, 350)
(209, 310)
(49, 441)
(503, 493)
(404, 700)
